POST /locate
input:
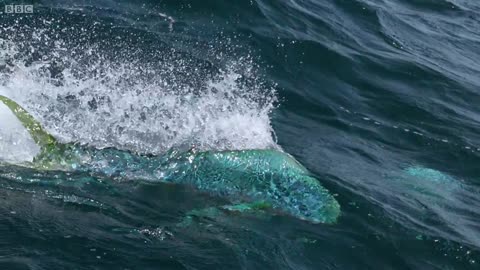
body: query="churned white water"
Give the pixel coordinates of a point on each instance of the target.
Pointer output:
(88, 97)
(16, 145)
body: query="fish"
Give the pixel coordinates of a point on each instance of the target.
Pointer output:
(435, 185)
(251, 180)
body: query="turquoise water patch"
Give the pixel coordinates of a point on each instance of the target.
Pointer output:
(430, 175)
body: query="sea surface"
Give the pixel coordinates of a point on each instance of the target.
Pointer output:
(379, 99)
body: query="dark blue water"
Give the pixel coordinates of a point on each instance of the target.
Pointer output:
(377, 98)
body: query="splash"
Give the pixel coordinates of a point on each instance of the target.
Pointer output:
(16, 145)
(137, 99)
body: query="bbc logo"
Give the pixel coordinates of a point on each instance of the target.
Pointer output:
(18, 8)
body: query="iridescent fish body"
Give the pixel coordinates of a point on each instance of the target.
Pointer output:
(253, 179)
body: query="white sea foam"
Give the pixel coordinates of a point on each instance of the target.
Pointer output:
(16, 145)
(91, 98)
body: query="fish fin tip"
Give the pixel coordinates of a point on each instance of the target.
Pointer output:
(43, 139)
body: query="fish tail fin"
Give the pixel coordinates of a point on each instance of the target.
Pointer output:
(39, 135)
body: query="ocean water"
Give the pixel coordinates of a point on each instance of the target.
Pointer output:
(377, 98)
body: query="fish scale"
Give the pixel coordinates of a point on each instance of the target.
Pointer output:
(252, 176)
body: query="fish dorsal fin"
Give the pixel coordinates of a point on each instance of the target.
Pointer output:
(39, 135)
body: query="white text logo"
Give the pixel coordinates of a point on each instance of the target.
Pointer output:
(18, 8)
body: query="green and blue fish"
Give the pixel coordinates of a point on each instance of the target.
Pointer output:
(266, 180)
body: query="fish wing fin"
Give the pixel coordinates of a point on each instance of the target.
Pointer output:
(39, 135)
(257, 207)
(247, 207)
